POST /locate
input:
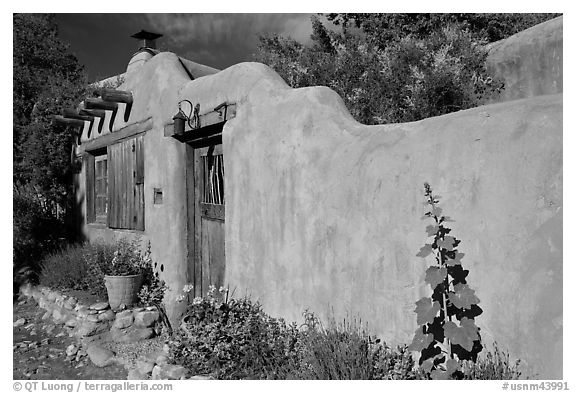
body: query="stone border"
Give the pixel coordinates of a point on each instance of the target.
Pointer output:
(95, 324)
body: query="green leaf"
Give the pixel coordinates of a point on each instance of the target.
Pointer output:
(463, 296)
(435, 275)
(463, 335)
(425, 251)
(426, 310)
(446, 370)
(447, 243)
(457, 260)
(431, 230)
(420, 341)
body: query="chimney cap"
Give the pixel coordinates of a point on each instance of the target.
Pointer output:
(146, 35)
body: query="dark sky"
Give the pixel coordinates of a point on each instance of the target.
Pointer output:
(102, 41)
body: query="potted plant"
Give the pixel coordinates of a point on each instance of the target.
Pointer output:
(123, 274)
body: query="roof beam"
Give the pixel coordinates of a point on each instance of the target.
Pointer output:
(113, 95)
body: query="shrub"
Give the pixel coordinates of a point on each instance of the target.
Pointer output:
(234, 339)
(97, 256)
(66, 269)
(153, 288)
(493, 365)
(349, 352)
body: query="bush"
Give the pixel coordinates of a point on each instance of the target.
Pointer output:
(493, 365)
(234, 339)
(348, 352)
(66, 269)
(36, 230)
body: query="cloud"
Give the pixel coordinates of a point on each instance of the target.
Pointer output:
(224, 39)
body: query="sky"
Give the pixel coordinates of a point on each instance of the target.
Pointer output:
(102, 42)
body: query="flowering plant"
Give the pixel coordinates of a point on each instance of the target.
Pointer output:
(127, 259)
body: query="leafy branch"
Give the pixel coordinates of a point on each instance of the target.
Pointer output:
(447, 334)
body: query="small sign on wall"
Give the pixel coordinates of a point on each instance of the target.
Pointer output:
(158, 197)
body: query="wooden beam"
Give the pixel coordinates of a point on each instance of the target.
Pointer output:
(97, 103)
(99, 113)
(210, 123)
(113, 95)
(123, 133)
(73, 123)
(72, 114)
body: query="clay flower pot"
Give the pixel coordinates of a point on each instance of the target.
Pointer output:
(122, 290)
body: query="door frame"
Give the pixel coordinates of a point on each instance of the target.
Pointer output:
(193, 164)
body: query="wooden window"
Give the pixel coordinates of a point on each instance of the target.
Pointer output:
(115, 185)
(101, 187)
(126, 184)
(213, 168)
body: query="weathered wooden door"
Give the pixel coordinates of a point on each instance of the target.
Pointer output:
(209, 202)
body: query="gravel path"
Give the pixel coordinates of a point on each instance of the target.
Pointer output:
(39, 349)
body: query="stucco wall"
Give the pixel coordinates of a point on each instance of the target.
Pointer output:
(154, 85)
(325, 213)
(529, 62)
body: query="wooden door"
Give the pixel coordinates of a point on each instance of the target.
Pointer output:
(209, 205)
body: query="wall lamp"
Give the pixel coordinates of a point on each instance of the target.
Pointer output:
(181, 119)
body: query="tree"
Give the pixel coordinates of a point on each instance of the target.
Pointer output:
(391, 68)
(47, 79)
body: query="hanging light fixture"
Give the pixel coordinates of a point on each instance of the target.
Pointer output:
(180, 119)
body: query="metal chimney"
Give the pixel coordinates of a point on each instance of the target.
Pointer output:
(146, 39)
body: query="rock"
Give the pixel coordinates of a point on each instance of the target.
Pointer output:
(200, 377)
(144, 367)
(99, 306)
(29, 326)
(45, 341)
(33, 332)
(123, 320)
(87, 328)
(70, 303)
(71, 350)
(101, 357)
(134, 374)
(162, 359)
(168, 371)
(51, 296)
(107, 315)
(146, 318)
(71, 322)
(83, 312)
(20, 322)
(60, 315)
(46, 315)
(131, 334)
(92, 318)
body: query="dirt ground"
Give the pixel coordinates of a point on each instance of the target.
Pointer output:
(39, 349)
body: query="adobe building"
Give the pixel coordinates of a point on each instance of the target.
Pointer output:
(282, 195)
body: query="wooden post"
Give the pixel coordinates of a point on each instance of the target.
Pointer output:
(97, 103)
(113, 95)
(73, 123)
(72, 114)
(99, 113)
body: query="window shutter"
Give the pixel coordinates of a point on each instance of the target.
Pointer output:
(138, 183)
(126, 184)
(88, 162)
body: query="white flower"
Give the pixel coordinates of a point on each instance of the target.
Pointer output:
(197, 300)
(188, 288)
(180, 298)
(222, 290)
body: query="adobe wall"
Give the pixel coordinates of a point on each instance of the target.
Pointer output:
(324, 213)
(529, 62)
(154, 86)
